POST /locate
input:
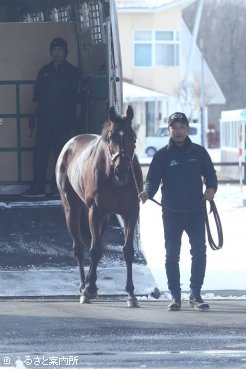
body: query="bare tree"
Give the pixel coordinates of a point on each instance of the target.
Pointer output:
(223, 30)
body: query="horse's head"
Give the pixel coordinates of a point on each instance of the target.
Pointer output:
(121, 142)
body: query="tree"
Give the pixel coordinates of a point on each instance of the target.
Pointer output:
(223, 30)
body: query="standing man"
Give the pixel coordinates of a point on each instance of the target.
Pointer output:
(57, 97)
(182, 167)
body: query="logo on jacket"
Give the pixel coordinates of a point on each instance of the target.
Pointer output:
(172, 163)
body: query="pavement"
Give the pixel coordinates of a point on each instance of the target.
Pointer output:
(107, 334)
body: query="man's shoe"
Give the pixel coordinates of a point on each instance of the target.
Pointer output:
(175, 305)
(33, 192)
(197, 303)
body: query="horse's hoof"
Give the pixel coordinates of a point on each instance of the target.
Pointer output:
(90, 295)
(133, 303)
(84, 300)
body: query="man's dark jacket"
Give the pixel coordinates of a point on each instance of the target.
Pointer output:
(57, 93)
(182, 172)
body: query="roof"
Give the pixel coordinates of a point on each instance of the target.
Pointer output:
(133, 92)
(149, 6)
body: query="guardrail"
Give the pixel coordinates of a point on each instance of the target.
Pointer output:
(145, 167)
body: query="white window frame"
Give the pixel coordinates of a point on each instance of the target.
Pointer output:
(175, 42)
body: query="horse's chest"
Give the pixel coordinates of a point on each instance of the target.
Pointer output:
(115, 198)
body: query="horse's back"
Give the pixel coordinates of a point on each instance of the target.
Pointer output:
(78, 144)
(75, 148)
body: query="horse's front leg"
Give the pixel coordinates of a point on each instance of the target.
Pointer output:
(96, 221)
(128, 256)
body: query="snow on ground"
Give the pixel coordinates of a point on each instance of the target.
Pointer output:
(65, 281)
(225, 275)
(225, 268)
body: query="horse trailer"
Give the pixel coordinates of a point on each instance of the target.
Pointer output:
(26, 29)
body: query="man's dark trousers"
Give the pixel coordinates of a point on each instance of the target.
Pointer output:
(193, 223)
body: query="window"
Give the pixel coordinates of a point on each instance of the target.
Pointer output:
(156, 48)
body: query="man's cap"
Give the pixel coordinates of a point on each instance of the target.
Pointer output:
(59, 42)
(177, 117)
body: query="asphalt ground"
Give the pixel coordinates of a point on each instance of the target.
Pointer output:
(108, 334)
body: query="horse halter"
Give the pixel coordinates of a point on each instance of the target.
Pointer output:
(121, 152)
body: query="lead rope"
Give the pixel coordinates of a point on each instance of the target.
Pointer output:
(213, 209)
(134, 178)
(211, 242)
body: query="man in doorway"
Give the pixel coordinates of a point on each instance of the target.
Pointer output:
(182, 167)
(58, 99)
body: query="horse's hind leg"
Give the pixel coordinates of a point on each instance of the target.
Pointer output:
(128, 250)
(74, 207)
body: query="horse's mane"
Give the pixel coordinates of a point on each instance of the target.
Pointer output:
(105, 130)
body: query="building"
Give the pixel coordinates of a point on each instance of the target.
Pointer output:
(156, 46)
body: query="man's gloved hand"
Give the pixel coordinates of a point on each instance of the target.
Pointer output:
(143, 196)
(209, 194)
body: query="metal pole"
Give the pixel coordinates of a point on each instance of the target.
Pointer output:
(203, 128)
(193, 42)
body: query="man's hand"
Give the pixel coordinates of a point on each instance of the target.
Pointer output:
(209, 194)
(143, 196)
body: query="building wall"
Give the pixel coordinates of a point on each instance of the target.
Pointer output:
(163, 79)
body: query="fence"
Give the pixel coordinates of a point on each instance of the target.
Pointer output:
(145, 167)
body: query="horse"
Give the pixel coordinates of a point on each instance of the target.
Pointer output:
(100, 175)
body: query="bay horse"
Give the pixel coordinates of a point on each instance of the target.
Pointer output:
(98, 176)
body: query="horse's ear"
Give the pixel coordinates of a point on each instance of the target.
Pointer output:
(112, 114)
(129, 112)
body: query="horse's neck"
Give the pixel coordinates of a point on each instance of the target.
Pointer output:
(102, 157)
